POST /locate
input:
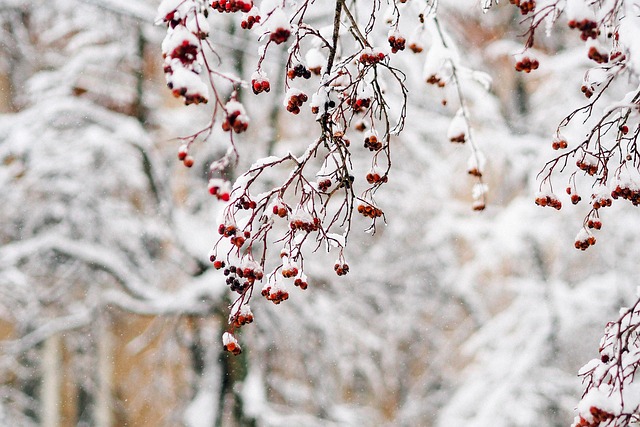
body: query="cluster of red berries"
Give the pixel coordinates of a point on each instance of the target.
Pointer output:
(230, 344)
(280, 35)
(548, 200)
(584, 240)
(299, 224)
(525, 6)
(587, 166)
(597, 56)
(280, 210)
(184, 157)
(234, 122)
(249, 274)
(289, 271)
(229, 6)
(238, 241)
(186, 52)
(587, 90)
(588, 28)
(435, 79)
(374, 178)
(372, 143)
(369, 57)
(248, 22)
(527, 64)
(243, 317)
(245, 203)
(396, 42)
(276, 295)
(594, 223)
(236, 119)
(227, 230)
(341, 269)
(259, 85)
(234, 283)
(624, 192)
(231, 232)
(302, 284)
(295, 101)
(324, 185)
(189, 98)
(599, 416)
(575, 199)
(359, 104)
(601, 201)
(415, 48)
(217, 264)
(299, 71)
(559, 143)
(219, 189)
(369, 211)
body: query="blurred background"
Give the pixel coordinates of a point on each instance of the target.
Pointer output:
(110, 314)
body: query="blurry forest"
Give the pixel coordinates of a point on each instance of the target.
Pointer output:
(110, 312)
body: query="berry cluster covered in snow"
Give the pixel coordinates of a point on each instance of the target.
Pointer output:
(356, 92)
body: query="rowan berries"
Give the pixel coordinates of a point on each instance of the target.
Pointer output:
(188, 161)
(589, 164)
(559, 142)
(628, 192)
(587, 27)
(230, 344)
(397, 42)
(231, 6)
(597, 56)
(275, 292)
(372, 143)
(594, 223)
(548, 199)
(527, 64)
(241, 317)
(250, 19)
(280, 35)
(299, 71)
(370, 56)
(294, 100)
(341, 269)
(236, 119)
(369, 211)
(324, 185)
(584, 239)
(302, 284)
(260, 84)
(183, 151)
(220, 188)
(415, 47)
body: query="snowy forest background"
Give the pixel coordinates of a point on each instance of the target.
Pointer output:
(110, 313)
